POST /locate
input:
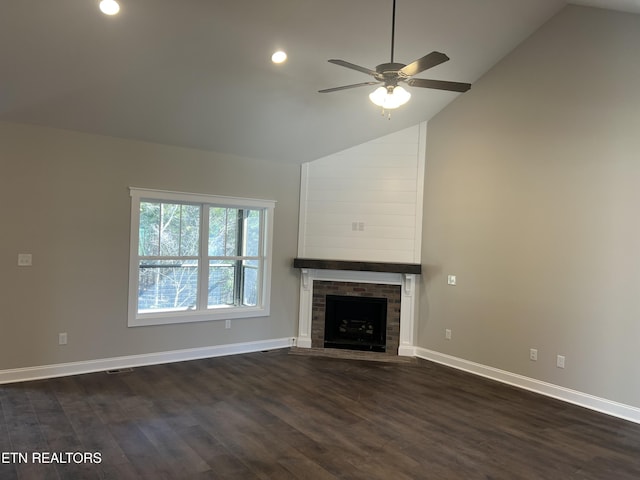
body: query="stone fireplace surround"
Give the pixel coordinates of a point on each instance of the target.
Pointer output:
(394, 281)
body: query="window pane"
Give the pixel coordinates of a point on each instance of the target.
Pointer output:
(250, 284)
(149, 241)
(170, 229)
(223, 231)
(167, 285)
(222, 278)
(190, 231)
(179, 224)
(252, 233)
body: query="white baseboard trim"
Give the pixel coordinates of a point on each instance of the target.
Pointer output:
(406, 351)
(575, 397)
(303, 342)
(90, 366)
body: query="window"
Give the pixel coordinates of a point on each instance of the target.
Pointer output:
(198, 257)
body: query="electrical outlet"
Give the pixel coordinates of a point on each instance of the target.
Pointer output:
(447, 334)
(62, 338)
(227, 324)
(560, 361)
(533, 354)
(25, 260)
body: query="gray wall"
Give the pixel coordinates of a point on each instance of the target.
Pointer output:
(532, 198)
(64, 198)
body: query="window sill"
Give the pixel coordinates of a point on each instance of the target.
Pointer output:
(217, 314)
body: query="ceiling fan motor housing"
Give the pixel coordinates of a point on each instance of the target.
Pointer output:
(389, 73)
(389, 67)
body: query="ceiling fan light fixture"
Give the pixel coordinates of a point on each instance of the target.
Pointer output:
(279, 57)
(389, 97)
(109, 7)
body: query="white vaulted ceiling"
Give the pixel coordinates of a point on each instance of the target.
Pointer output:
(197, 73)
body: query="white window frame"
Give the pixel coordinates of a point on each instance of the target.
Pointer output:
(262, 309)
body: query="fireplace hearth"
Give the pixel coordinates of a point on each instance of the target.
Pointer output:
(355, 323)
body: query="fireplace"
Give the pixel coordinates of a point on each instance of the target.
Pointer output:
(394, 282)
(355, 323)
(352, 298)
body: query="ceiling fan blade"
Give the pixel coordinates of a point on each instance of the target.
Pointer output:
(353, 66)
(439, 84)
(428, 61)
(345, 87)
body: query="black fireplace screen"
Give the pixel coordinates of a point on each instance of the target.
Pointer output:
(355, 323)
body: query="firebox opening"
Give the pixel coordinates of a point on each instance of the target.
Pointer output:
(355, 323)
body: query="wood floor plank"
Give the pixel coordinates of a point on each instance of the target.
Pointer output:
(7, 470)
(272, 415)
(24, 430)
(180, 457)
(222, 463)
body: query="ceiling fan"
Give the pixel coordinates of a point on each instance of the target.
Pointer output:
(390, 95)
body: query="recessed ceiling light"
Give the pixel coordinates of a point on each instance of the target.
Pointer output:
(279, 57)
(109, 7)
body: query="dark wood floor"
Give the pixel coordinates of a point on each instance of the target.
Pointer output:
(274, 415)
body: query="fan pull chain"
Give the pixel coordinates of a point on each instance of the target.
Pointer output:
(388, 112)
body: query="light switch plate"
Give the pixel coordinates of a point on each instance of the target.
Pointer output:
(451, 280)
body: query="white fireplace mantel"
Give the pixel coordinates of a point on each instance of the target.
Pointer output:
(408, 300)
